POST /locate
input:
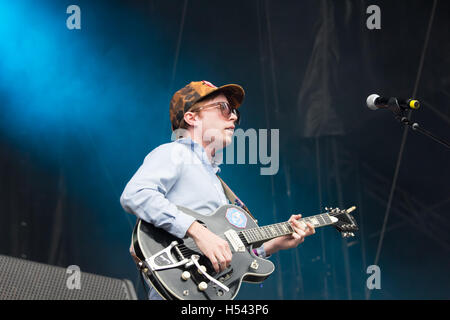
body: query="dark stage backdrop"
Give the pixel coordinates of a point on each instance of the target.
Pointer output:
(80, 109)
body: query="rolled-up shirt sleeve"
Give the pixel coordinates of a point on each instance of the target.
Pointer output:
(145, 194)
(261, 252)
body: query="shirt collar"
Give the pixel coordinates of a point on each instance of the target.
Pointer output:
(201, 153)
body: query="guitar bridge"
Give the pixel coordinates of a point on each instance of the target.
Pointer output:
(164, 259)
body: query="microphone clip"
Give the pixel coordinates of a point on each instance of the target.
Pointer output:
(398, 110)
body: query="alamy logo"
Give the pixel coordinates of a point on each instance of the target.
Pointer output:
(236, 151)
(374, 281)
(374, 20)
(74, 20)
(74, 279)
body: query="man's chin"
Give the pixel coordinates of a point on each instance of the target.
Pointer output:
(227, 140)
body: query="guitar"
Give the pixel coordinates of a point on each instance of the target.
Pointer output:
(177, 269)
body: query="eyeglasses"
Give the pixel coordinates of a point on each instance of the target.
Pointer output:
(225, 108)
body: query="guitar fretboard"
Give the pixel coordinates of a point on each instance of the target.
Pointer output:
(262, 234)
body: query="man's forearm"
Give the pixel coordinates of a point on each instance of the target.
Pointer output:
(271, 247)
(194, 230)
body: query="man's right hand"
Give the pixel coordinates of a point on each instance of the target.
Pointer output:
(215, 248)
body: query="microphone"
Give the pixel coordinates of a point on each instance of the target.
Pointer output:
(375, 102)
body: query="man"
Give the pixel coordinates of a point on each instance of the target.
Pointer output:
(183, 173)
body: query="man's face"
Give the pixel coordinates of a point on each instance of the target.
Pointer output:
(215, 127)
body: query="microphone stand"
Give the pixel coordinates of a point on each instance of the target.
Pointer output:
(402, 118)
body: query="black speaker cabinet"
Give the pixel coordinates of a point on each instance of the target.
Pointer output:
(26, 280)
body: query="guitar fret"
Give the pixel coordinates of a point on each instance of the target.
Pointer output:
(255, 233)
(327, 218)
(255, 236)
(263, 233)
(320, 219)
(307, 220)
(280, 229)
(315, 221)
(289, 227)
(260, 234)
(250, 235)
(273, 230)
(245, 233)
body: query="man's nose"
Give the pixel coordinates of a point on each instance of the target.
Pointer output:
(233, 116)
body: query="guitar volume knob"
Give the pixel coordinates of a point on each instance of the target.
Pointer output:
(185, 275)
(202, 286)
(203, 268)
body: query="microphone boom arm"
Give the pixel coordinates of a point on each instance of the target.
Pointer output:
(415, 126)
(399, 114)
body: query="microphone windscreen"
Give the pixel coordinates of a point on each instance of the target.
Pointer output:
(371, 101)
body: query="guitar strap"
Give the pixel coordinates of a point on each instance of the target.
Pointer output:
(233, 198)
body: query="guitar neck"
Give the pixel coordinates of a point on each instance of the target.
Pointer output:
(262, 234)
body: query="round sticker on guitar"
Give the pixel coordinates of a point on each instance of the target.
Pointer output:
(236, 218)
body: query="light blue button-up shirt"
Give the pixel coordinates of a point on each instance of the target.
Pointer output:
(175, 173)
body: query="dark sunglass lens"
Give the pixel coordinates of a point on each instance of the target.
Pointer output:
(238, 115)
(227, 110)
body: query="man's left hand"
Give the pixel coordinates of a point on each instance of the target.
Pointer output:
(301, 230)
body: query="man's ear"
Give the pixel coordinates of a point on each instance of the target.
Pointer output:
(190, 118)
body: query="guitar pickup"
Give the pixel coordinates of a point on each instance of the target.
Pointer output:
(235, 241)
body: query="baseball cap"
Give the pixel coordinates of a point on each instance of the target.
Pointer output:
(196, 91)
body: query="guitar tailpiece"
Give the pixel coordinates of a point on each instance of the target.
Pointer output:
(164, 259)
